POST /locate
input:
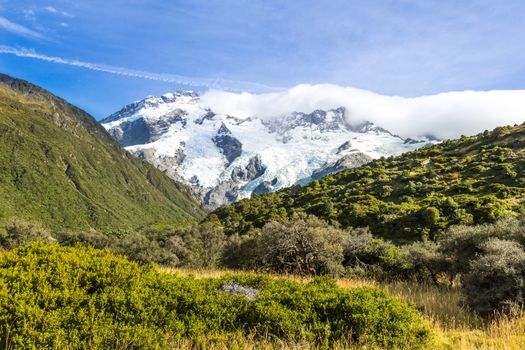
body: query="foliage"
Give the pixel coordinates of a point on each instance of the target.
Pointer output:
(496, 279)
(489, 259)
(78, 298)
(198, 246)
(415, 196)
(302, 245)
(19, 233)
(60, 168)
(429, 262)
(369, 256)
(204, 244)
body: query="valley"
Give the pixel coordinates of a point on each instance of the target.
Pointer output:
(317, 233)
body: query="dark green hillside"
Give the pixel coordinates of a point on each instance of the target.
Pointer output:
(469, 180)
(59, 167)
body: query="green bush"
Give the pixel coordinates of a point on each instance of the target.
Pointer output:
(490, 259)
(373, 257)
(193, 246)
(83, 298)
(302, 245)
(19, 233)
(203, 244)
(429, 263)
(496, 279)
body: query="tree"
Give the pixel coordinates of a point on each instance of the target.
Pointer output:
(429, 262)
(303, 245)
(496, 280)
(204, 244)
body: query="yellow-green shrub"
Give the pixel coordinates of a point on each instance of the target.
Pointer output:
(77, 297)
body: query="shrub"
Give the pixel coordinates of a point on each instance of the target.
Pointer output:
(195, 246)
(139, 248)
(241, 252)
(79, 298)
(87, 238)
(204, 244)
(302, 245)
(428, 262)
(463, 243)
(496, 280)
(372, 256)
(19, 233)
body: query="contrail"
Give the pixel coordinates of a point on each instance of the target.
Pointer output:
(224, 84)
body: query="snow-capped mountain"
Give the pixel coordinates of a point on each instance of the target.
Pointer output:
(225, 158)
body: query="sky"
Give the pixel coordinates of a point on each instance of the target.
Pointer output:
(101, 55)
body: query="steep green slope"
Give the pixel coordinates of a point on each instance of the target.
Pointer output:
(59, 167)
(469, 180)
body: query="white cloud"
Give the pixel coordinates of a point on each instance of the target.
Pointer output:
(445, 115)
(53, 10)
(232, 85)
(19, 29)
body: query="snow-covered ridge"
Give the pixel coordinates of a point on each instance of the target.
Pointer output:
(226, 158)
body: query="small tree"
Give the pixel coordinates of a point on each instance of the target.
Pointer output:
(139, 248)
(496, 280)
(373, 256)
(303, 245)
(428, 262)
(204, 244)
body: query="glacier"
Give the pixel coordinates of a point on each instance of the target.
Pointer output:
(225, 158)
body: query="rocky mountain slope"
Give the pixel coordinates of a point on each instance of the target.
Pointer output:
(471, 180)
(60, 168)
(225, 158)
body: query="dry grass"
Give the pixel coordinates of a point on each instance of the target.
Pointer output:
(456, 327)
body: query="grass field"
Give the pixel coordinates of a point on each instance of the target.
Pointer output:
(456, 328)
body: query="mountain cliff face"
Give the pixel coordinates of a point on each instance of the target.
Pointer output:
(225, 158)
(60, 168)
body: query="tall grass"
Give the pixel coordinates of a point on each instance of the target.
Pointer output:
(456, 327)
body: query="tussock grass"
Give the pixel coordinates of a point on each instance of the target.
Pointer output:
(456, 327)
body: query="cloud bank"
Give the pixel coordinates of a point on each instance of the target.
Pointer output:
(210, 83)
(445, 115)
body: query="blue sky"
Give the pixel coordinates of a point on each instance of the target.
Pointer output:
(109, 53)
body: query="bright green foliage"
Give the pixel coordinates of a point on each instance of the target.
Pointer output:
(471, 180)
(60, 168)
(83, 298)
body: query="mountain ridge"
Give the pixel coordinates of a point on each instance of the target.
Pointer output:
(60, 168)
(185, 138)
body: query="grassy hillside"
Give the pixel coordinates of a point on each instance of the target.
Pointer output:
(469, 180)
(60, 168)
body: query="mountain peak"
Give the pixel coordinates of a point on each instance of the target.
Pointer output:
(179, 134)
(151, 102)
